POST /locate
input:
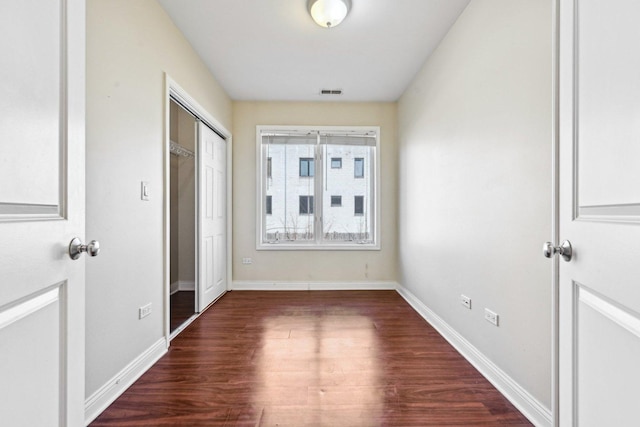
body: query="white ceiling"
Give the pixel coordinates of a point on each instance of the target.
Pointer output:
(272, 50)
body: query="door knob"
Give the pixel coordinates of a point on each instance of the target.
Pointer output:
(76, 248)
(564, 249)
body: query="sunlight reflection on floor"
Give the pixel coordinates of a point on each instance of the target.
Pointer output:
(319, 370)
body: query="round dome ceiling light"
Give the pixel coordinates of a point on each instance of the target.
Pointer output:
(328, 13)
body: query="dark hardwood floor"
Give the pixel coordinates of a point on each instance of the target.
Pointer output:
(183, 305)
(351, 358)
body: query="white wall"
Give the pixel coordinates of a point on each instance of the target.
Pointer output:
(305, 265)
(182, 194)
(174, 212)
(130, 44)
(475, 184)
(186, 199)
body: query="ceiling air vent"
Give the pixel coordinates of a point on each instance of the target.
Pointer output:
(331, 92)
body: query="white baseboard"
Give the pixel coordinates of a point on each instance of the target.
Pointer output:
(259, 285)
(108, 393)
(530, 407)
(182, 285)
(186, 285)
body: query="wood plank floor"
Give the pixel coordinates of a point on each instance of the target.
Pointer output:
(349, 358)
(183, 306)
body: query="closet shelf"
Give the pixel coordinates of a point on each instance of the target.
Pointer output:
(178, 150)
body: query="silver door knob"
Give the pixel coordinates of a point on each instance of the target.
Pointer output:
(564, 249)
(76, 248)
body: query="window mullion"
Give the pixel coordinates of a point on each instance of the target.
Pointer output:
(318, 191)
(371, 191)
(263, 189)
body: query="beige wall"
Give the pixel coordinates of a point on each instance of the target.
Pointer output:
(130, 45)
(475, 131)
(304, 265)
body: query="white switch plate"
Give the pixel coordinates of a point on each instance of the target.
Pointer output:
(144, 311)
(247, 261)
(491, 317)
(466, 301)
(144, 190)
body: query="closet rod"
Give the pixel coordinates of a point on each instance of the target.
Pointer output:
(178, 150)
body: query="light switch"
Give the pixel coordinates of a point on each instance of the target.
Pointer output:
(144, 190)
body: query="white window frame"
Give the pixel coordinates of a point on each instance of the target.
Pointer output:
(317, 244)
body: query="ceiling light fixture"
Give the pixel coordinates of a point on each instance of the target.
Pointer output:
(328, 13)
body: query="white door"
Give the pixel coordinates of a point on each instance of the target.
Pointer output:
(41, 210)
(599, 313)
(212, 208)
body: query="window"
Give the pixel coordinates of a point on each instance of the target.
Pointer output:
(268, 167)
(306, 166)
(306, 205)
(310, 195)
(358, 205)
(268, 207)
(358, 167)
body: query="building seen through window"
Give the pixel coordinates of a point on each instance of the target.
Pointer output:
(358, 167)
(358, 205)
(306, 167)
(269, 206)
(306, 205)
(320, 189)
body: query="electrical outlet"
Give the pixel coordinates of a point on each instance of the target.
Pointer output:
(466, 301)
(491, 317)
(144, 311)
(247, 261)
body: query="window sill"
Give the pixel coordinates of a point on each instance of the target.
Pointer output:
(315, 247)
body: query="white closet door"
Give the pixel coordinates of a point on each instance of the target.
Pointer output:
(212, 238)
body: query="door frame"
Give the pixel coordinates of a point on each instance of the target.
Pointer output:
(174, 90)
(555, 210)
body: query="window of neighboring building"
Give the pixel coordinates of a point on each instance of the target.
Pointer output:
(306, 205)
(358, 167)
(268, 167)
(309, 185)
(358, 205)
(268, 207)
(306, 166)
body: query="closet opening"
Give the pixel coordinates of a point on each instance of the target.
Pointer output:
(183, 217)
(197, 196)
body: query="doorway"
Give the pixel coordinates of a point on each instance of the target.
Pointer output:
(182, 183)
